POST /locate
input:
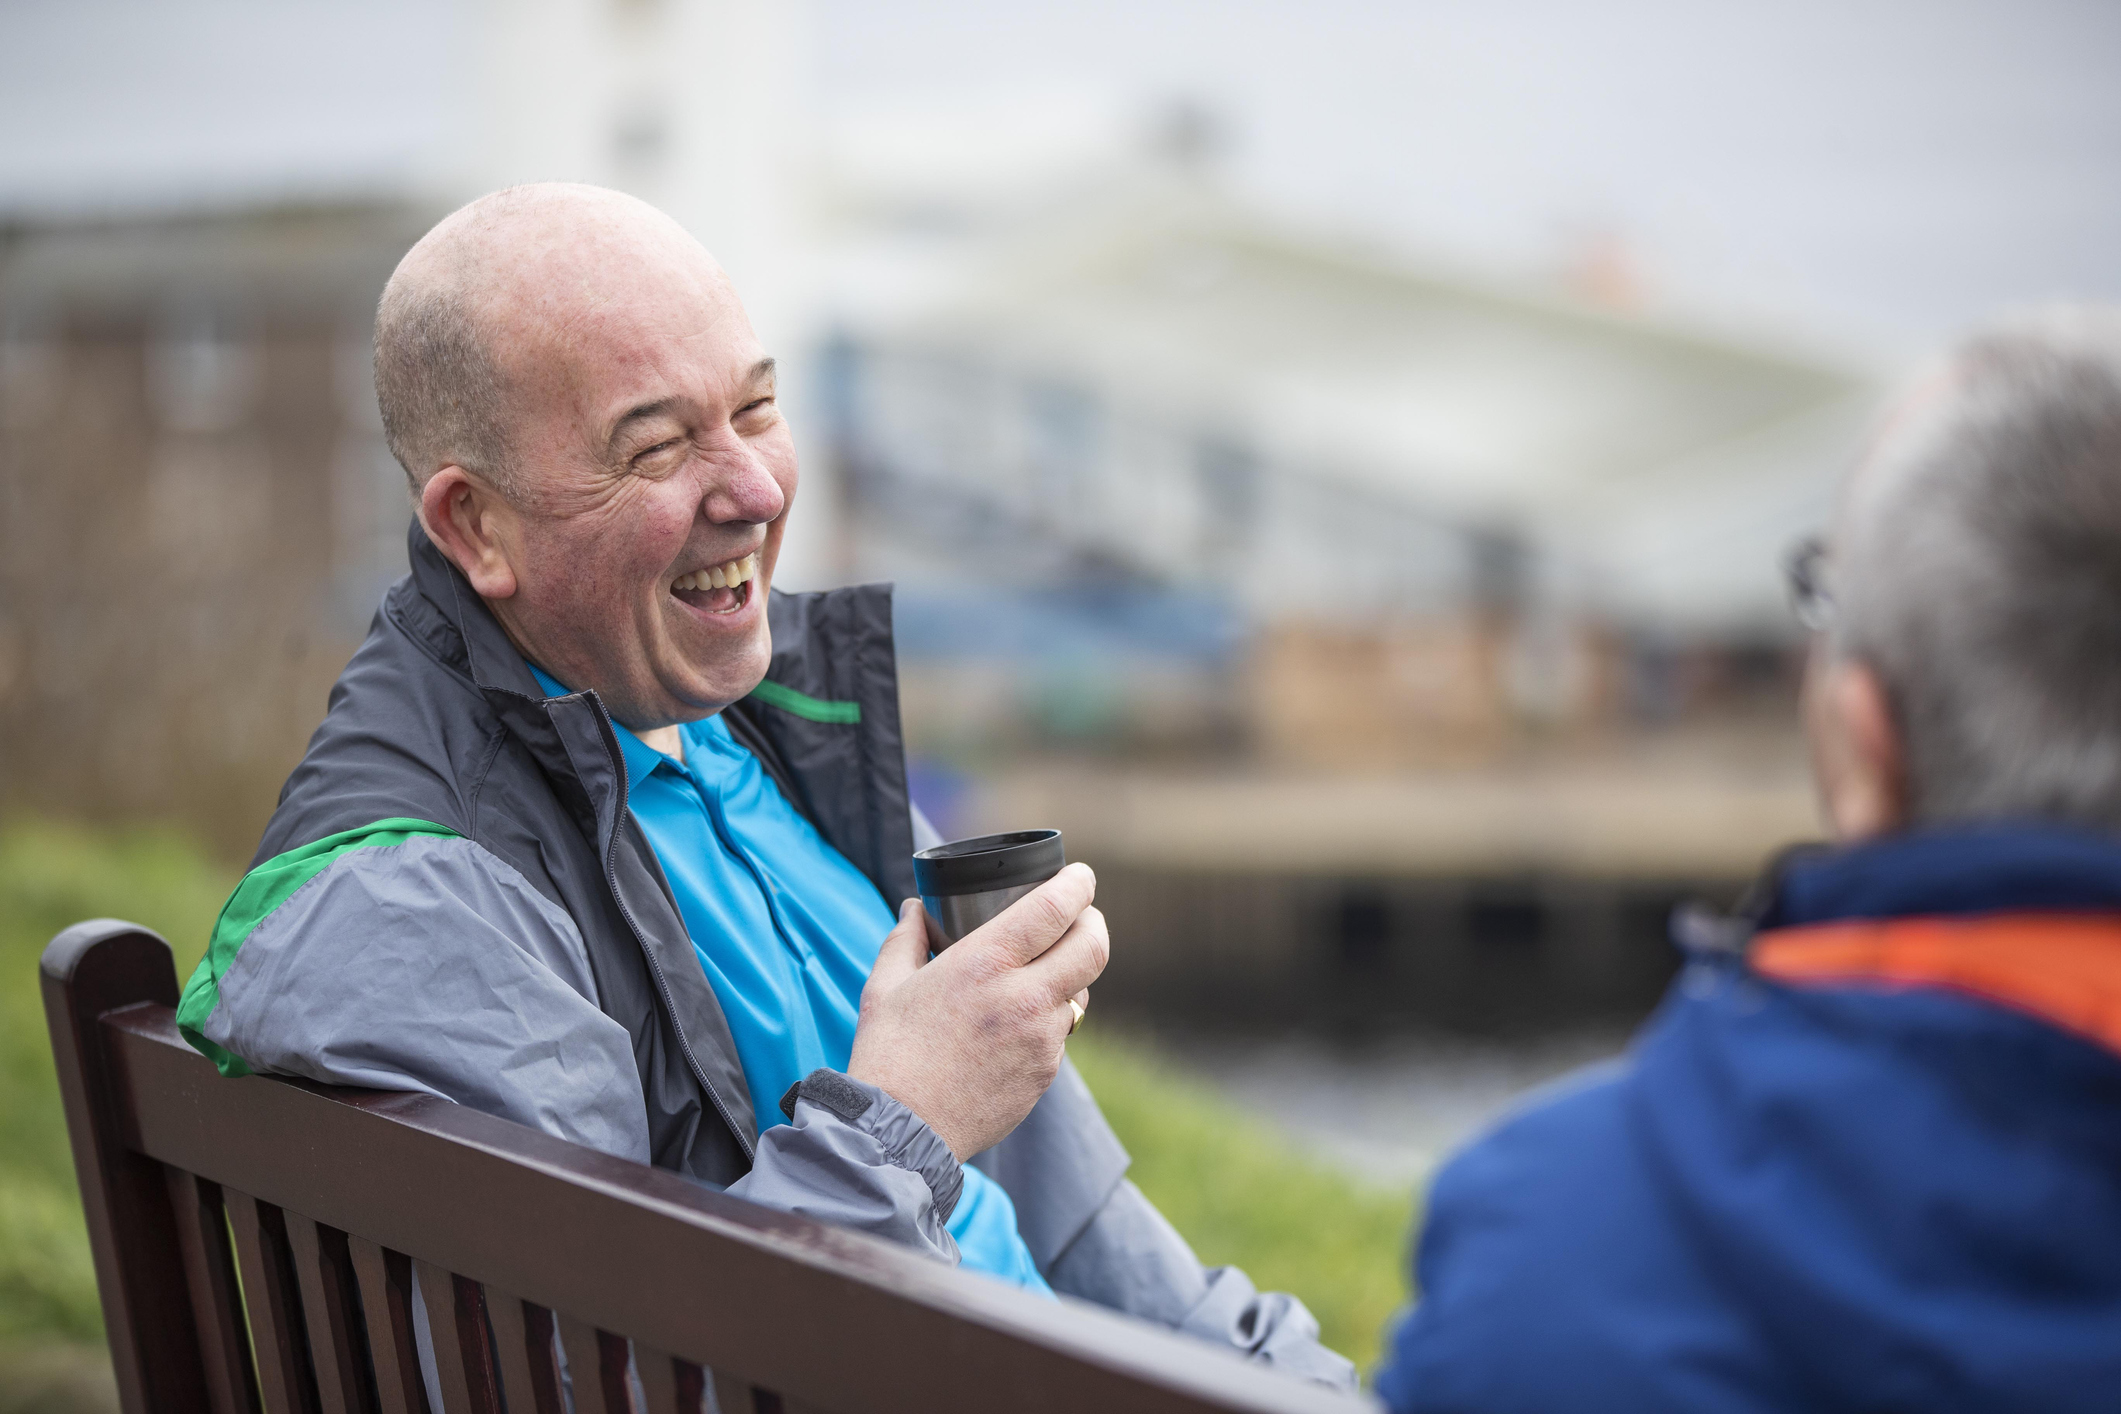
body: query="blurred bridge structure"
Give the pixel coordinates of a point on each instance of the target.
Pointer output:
(1400, 646)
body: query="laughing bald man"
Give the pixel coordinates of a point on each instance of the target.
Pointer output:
(602, 835)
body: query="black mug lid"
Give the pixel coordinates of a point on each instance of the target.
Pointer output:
(989, 862)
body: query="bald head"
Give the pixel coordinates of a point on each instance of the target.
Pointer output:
(482, 297)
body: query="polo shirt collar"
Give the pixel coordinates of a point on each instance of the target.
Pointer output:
(641, 758)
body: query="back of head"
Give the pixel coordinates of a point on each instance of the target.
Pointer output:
(1977, 567)
(437, 383)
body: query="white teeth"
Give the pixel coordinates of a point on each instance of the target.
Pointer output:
(727, 576)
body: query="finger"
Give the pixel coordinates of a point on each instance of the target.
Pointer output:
(1034, 922)
(905, 948)
(1073, 963)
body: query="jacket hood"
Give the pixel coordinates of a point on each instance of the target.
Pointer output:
(1951, 872)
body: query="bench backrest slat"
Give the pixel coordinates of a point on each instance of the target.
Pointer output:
(385, 1280)
(331, 1308)
(456, 1318)
(279, 1340)
(344, 1208)
(216, 1301)
(668, 1382)
(523, 1348)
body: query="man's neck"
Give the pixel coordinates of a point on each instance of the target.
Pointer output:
(668, 740)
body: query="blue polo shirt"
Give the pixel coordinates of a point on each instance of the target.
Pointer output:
(787, 931)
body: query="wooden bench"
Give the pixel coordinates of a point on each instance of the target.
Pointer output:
(257, 1242)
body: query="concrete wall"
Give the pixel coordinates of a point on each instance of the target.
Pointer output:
(196, 511)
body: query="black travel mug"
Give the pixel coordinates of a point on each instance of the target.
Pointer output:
(967, 882)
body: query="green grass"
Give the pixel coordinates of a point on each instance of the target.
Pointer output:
(1239, 1191)
(1244, 1194)
(51, 876)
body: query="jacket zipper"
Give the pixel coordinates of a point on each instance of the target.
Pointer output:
(662, 983)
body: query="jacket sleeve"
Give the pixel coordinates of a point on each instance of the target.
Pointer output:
(404, 959)
(854, 1157)
(419, 961)
(1131, 1259)
(1095, 1236)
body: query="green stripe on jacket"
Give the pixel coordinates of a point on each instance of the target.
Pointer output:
(802, 704)
(262, 891)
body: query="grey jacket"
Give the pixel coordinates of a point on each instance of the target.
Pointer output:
(454, 898)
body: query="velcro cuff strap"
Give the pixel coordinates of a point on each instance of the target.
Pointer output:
(830, 1090)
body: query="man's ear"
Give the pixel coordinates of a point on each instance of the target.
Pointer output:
(1857, 754)
(470, 523)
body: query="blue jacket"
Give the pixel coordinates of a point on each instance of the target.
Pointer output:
(1873, 1162)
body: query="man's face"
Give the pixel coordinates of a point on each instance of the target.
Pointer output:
(653, 459)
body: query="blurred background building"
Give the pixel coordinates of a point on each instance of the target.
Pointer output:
(1334, 458)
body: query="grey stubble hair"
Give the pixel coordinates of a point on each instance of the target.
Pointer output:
(440, 391)
(1978, 568)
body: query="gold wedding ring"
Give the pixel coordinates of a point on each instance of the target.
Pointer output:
(1080, 1013)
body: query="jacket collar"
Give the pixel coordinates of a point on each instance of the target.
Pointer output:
(2025, 916)
(1951, 871)
(569, 737)
(490, 659)
(641, 758)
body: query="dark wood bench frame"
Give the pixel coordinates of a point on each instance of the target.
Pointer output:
(256, 1241)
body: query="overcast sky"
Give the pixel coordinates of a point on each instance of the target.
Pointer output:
(1881, 169)
(156, 102)
(1876, 170)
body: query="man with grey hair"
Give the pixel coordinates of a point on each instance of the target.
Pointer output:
(1868, 1153)
(602, 835)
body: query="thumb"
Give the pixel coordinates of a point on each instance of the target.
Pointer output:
(905, 948)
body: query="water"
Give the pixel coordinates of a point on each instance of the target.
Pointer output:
(1389, 1111)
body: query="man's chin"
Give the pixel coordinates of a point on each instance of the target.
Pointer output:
(708, 688)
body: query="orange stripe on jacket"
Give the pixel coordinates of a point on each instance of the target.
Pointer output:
(2064, 968)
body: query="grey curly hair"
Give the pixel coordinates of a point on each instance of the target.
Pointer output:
(1977, 568)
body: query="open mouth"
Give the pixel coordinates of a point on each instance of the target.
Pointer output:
(723, 589)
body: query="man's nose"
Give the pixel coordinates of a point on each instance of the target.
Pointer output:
(736, 484)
